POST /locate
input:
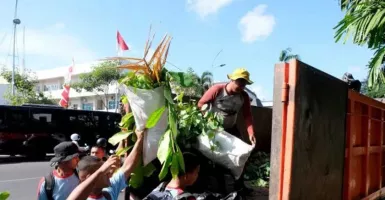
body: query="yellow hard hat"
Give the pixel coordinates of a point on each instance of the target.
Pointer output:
(240, 73)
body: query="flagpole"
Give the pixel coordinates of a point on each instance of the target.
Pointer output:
(117, 85)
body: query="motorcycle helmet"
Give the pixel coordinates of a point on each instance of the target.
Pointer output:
(101, 142)
(75, 137)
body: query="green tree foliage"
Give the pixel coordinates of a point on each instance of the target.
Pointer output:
(200, 84)
(99, 80)
(364, 22)
(378, 92)
(25, 89)
(206, 80)
(286, 55)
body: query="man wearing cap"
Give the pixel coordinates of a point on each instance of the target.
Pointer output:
(229, 99)
(63, 179)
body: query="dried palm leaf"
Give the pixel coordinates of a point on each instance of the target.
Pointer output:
(158, 58)
(122, 58)
(166, 54)
(134, 67)
(147, 46)
(157, 51)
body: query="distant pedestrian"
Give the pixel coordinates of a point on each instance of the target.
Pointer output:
(75, 139)
(59, 183)
(98, 152)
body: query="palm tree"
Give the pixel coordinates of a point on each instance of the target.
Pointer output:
(206, 80)
(364, 21)
(286, 55)
(201, 84)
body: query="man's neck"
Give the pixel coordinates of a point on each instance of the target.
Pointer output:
(228, 89)
(64, 171)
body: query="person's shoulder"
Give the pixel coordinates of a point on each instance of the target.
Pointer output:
(219, 85)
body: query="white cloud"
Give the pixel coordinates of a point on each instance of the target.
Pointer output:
(205, 8)
(256, 25)
(50, 43)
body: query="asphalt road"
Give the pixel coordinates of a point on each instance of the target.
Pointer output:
(21, 177)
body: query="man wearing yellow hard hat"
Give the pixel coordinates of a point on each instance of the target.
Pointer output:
(229, 99)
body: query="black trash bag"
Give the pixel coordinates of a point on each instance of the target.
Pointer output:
(210, 196)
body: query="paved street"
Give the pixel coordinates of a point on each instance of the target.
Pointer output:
(20, 178)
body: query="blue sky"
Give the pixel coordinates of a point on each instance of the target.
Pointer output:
(251, 33)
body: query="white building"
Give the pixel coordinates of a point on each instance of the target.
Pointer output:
(51, 84)
(4, 85)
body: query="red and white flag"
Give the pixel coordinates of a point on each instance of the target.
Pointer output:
(121, 43)
(65, 95)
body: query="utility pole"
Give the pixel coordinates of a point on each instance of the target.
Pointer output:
(16, 22)
(23, 69)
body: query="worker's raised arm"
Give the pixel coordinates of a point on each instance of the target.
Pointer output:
(210, 95)
(135, 155)
(83, 190)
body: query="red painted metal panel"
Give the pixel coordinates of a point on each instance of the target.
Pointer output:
(364, 157)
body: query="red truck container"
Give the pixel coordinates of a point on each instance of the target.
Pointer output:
(327, 141)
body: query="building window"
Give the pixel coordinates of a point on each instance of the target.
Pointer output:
(51, 87)
(38, 88)
(111, 104)
(88, 106)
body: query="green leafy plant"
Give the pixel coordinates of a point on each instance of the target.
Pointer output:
(258, 169)
(4, 195)
(191, 123)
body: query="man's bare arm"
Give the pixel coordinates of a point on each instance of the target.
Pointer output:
(132, 159)
(83, 190)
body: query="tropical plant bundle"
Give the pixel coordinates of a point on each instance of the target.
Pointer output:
(191, 123)
(148, 92)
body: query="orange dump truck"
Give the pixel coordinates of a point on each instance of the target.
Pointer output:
(327, 142)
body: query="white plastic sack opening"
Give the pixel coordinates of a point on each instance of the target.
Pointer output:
(232, 153)
(143, 103)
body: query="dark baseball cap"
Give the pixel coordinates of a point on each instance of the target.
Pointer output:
(65, 151)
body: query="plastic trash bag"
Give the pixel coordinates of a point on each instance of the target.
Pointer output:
(143, 103)
(232, 153)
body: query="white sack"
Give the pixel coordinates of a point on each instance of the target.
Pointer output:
(143, 103)
(231, 154)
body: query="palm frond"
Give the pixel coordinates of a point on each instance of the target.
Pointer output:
(286, 55)
(282, 56)
(376, 74)
(292, 56)
(364, 22)
(366, 25)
